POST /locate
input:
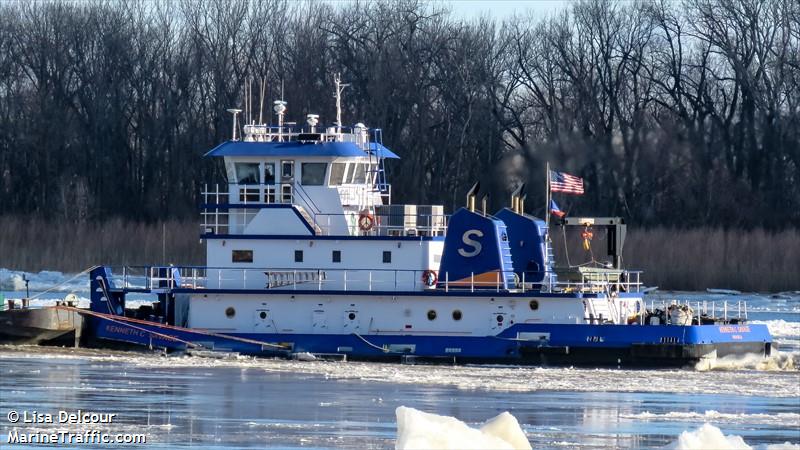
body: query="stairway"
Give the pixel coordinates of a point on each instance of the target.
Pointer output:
(598, 307)
(549, 258)
(506, 264)
(309, 219)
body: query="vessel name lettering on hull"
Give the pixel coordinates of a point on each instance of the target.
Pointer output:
(734, 329)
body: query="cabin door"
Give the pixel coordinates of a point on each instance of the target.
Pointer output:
(319, 321)
(352, 322)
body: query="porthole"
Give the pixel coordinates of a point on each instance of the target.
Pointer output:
(431, 315)
(230, 312)
(263, 314)
(534, 305)
(351, 316)
(456, 314)
(499, 318)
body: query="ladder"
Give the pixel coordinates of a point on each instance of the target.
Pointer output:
(380, 184)
(309, 219)
(549, 259)
(507, 266)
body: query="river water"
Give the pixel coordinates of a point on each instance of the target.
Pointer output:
(263, 403)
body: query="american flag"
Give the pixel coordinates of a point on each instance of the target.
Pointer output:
(564, 182)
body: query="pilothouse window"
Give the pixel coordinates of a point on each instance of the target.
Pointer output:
(348, 175)
(247, 173)
(359, 177)
(337, 173)
(313, 174)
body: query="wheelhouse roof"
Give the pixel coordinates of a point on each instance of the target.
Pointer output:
(295, 148)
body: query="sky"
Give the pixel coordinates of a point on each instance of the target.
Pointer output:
(501, 9)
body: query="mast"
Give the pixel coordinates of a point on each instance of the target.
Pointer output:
(337, 79)
(547, 199)
(261, 103)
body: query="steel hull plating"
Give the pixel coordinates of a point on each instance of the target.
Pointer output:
(614, 345)
(33, 326)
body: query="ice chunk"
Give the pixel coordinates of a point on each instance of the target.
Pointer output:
(708, 436)
(777, 361)
(506, 427)
(784, 446)
(780, 327)
(421, 430)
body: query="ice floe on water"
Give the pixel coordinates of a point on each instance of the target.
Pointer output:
(48, 286)
(780, 327)
(784, 419)
(417, 430)
(420, 430)
(777, 361)
(467, 377)
(14, 280)
(710, 437)
(81, 302)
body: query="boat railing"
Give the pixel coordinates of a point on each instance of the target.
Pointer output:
(229, 208)
(389, 224)
(599, 282)
(289, 133)
(702, 312)
(220, 215)
(321, 279)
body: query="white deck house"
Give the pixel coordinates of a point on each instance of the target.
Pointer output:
(308, 203)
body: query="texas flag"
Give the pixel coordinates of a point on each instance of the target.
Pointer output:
(555, 210)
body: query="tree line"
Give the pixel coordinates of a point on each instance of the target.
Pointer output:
(676, 113)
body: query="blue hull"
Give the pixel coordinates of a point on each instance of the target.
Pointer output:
(657, 345)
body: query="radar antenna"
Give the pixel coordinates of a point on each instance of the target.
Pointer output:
(234, 111)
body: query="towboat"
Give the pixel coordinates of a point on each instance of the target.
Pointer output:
(307, 254)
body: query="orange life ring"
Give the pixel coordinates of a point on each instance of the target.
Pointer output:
(366, 221)
(429, 278)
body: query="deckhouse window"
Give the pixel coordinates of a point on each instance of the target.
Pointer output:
(337, 173)
(247, 173)
(336, 256)
(387, 257)
(313, 174)
(287, 169)
(242, 256)
(269, 173)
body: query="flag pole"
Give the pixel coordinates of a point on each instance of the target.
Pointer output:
(547, 197)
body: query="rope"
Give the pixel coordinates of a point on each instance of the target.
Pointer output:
(127, 321)
(106, 316)
(566, 252)
(371, 344)
(566, 249)
(83, 272)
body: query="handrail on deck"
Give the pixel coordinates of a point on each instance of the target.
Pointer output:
(397, 280)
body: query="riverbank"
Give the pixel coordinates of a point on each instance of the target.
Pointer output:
(696, 259)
